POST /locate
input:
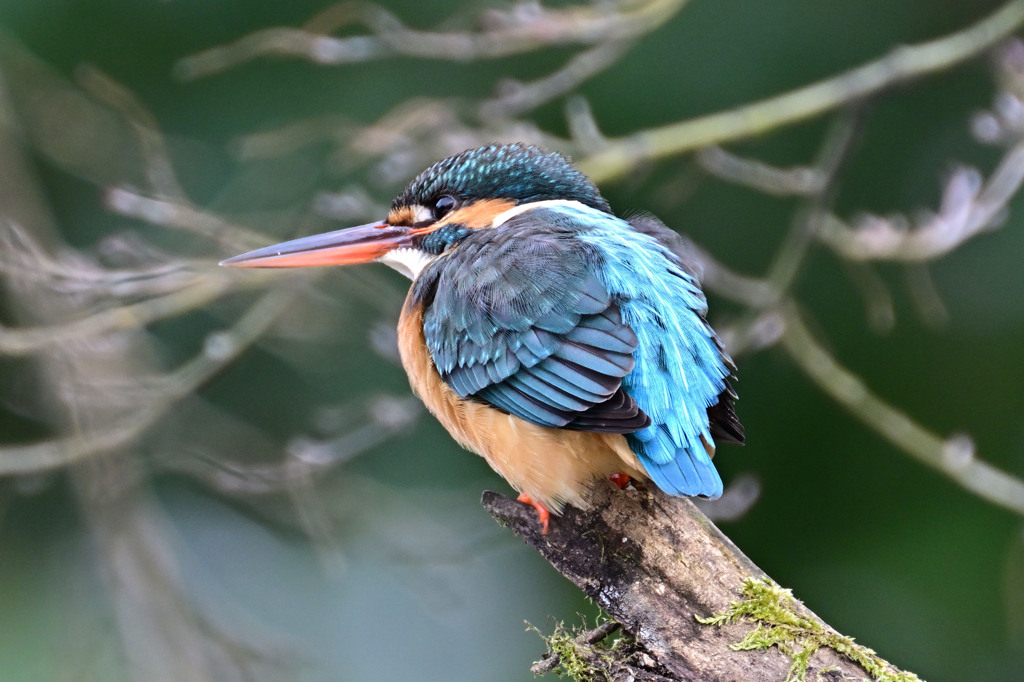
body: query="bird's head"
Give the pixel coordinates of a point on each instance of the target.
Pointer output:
(477, 189)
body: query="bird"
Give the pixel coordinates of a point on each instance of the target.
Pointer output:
(562, 343)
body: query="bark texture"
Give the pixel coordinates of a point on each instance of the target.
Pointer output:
(654, 562)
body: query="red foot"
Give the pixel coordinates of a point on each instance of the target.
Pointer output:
(542, 512)
(620, 480)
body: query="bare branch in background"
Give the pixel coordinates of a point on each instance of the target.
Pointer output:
(76, 275)
(27, 340)
(969, 207)
(515, 98)
(901, 65)
(584, 132)
(879, 307)
(954, 456)
(156, 160)
(221, 348)
(800, 181)
(925, 295)
(523, 28)
(184, 216)
(306, 457)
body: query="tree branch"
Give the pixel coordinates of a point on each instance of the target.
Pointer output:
(900, 65)
(953, 456)
(693, 605)
(505, 34)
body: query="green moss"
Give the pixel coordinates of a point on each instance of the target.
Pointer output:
(577, 659)
(773, 609)
(572, 661)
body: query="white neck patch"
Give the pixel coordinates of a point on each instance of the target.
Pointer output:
(523, 208)
(410, 262)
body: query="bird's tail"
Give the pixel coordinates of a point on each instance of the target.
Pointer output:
(678, 470)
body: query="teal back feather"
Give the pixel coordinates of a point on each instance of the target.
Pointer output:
(679, 370)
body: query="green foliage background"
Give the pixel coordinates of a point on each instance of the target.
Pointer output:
(418, 583)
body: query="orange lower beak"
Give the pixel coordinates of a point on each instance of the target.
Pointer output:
(361, 244)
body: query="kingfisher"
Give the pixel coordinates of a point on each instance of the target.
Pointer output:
(562, 343)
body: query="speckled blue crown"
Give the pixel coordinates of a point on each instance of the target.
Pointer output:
(513, 171)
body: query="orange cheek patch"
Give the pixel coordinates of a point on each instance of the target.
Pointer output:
(402, 215)
(480, 214)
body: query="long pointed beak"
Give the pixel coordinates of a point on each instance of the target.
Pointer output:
(343, 247)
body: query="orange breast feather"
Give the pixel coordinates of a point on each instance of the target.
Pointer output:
(552, 466)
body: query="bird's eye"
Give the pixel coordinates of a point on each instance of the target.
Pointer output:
(443, 206)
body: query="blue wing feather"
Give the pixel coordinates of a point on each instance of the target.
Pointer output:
(577, 380)
(532, 385)
(544, 341)
(680, 370)
(569, 317)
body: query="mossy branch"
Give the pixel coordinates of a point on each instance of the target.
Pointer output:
(773, 610)
(691, 605)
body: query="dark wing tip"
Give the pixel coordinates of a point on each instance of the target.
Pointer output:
(724, 424)
(618, 414)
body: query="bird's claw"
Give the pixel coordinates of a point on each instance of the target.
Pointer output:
(542, 512)
(620, 480)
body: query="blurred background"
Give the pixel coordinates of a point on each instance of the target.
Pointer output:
(215, 475)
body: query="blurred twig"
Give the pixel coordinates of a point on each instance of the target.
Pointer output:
(156, 160)
(954, 456)
(27, 340)
(305, 457)
(834, 152)
(757, 175)
(969, 207)
(521, 29)
(516, 98)
(903, 64)
(181, 215)
(759, 326)
(15, 459)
